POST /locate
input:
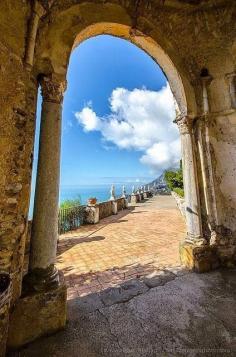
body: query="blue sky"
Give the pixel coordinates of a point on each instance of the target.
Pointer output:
(106, 136)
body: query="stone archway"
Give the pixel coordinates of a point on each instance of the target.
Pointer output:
(44, 238)
(42, 275)
(163, 31)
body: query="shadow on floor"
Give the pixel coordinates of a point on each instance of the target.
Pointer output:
(73, 241)
(97, 281)
(188, 315)
(67, 241)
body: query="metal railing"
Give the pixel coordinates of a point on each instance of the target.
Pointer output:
(70, 218)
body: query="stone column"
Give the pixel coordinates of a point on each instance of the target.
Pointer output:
(191, 194)
(42, 272)
(207, 173)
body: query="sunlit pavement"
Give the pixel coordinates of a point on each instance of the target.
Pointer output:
(129, 296)
(135, 243)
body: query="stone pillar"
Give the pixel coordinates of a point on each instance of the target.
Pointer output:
(42, 272)
(114, 207)
(195, 253)
(209, 186)
(133, 199)
(92, 214)
(44, 290)
(191, 194)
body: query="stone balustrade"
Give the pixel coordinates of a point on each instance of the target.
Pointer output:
(94, 213)
(104, 209)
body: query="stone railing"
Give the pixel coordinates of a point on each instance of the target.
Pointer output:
(180, 203)
(93, 213)
(105, 209)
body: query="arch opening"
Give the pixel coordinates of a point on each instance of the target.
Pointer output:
(106, 208)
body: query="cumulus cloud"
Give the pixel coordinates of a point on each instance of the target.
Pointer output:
(140, 120)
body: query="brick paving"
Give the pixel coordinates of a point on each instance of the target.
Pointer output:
(137, 242)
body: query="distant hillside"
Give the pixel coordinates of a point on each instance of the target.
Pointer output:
(158, 181)
(161, 179)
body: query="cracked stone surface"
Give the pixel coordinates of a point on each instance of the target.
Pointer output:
(187, 315)
(123, 293)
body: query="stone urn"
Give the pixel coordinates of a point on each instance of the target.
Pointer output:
(92, 201)
(5, 294)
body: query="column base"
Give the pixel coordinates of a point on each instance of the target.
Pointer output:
(200, 258)
(37, 314)
(41, 280)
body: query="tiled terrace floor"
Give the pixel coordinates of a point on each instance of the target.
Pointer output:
(135, 243)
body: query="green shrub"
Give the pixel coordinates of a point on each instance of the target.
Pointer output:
(70, 203)
(174, 180)
(179, 191)
(71, 215)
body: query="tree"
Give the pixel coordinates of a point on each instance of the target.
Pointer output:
(174, 180)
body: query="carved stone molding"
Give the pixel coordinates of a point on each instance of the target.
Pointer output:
(52, 89)
(185, 124)
(37, 12)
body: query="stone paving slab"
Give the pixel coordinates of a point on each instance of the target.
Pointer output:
(192, 315)
(134, 243)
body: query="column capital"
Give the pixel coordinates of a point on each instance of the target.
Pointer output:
(185, 124)
(52, 88)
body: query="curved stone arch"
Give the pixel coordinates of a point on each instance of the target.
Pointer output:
(180, 87)
(75, 24)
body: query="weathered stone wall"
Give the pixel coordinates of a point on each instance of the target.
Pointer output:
(18, 92)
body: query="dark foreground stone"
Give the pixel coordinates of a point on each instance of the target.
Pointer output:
(189, 315)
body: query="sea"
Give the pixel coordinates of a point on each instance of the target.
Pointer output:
(101, 192)
(83, 192)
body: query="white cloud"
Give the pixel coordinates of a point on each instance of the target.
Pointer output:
(140, 120)
(88, 118)
(162, 155)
